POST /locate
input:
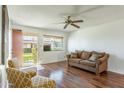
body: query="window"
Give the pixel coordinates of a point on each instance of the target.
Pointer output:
(29, 41)
(52, 43)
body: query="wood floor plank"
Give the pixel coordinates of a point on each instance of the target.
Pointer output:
(72, 77)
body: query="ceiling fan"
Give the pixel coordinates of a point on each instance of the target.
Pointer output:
(71, 22)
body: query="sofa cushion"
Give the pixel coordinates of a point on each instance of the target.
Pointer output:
(88, 63)
(77, 60)
(74, 55)
(85, 55)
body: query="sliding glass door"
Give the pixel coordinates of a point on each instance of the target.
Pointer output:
(30, 50)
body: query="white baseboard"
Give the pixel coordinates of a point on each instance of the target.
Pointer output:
(115, 71)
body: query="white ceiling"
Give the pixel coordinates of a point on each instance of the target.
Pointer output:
(48, 16)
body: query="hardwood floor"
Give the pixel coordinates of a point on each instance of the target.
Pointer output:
(72, 77)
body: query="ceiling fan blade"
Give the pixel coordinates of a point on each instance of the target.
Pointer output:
(75, 25)
(76, 21)
(66, 25)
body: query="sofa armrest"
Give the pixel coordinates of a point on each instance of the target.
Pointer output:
(68, 56)
(103, 59)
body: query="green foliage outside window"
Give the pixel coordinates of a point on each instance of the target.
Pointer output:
(32, 56)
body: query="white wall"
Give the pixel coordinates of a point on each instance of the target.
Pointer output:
(107, 37)
(46, 57)
(0, 28)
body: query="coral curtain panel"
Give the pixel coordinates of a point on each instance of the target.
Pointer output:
(17, 45)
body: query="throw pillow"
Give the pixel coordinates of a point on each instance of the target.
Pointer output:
(85, 55)
(79, 53)
(74, 55)
(94, 57)
(100, 54)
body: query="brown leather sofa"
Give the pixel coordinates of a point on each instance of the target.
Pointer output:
(91, 61)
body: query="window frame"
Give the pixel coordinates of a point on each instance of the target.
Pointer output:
(54, 37)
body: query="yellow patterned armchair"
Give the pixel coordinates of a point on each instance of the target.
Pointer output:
(11, 64)
(20, 79)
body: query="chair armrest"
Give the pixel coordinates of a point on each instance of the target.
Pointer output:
(32, 70)
(29, 68)
(32, 73)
